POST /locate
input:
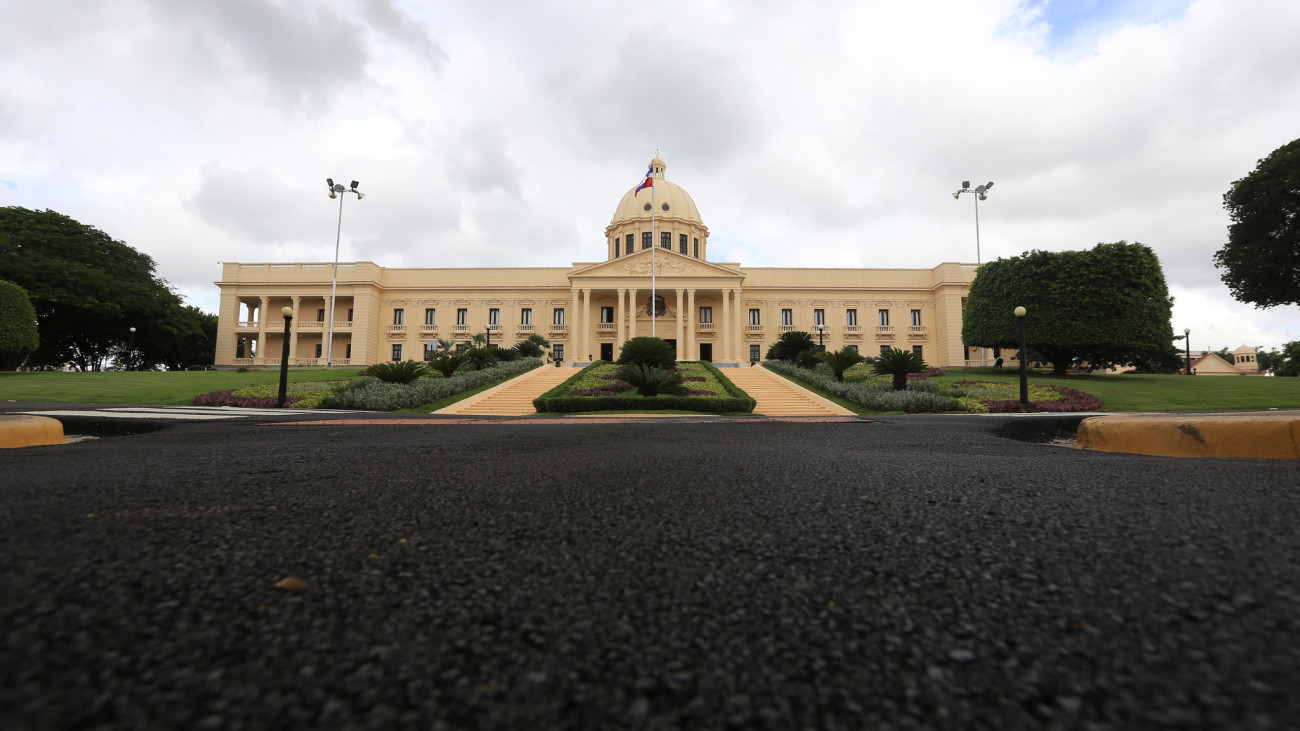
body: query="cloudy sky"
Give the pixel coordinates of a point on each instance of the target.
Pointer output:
(485, 133)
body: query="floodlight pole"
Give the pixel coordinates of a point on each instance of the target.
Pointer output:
(335, 192)
(980, 192)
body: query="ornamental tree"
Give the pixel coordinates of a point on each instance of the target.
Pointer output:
(18, 335)
(1105, 306)
(1261, 261)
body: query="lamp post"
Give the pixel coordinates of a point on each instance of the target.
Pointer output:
(335, 191)
(981, 193)
(821, 329)
(284, 357)
(1187, 347)
(489, 334)
(130, 351)
(1024, 361)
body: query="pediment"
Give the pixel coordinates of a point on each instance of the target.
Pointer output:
(667, 263)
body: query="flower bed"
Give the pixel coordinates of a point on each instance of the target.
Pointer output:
(598, 388)
(307, 395)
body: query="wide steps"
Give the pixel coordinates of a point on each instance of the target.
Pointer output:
(775, 396)
(512, 398)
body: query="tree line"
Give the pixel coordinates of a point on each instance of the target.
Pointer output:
(86, 291)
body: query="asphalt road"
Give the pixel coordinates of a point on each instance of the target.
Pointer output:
(914, 572)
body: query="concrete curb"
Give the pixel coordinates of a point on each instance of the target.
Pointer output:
(1265, 434)
(20, 430)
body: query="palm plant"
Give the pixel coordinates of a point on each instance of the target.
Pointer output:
(403, 372)
(841, 360)
(654, 352)
(790, 345)
(899, 363)
(479, 339)
(481, 358)
(650, 381)
(447, 363)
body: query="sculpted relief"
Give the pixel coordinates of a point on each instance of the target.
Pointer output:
(665, 266)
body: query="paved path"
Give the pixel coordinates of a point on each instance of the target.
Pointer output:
(512, 398)
(778, 397)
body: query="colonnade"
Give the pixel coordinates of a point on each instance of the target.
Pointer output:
(585, 319)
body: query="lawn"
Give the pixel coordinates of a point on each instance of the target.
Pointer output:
(1149, 392)
(152, 387)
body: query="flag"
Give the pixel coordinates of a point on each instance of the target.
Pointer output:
(647, 183)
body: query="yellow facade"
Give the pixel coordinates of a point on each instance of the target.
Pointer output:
(718, 311)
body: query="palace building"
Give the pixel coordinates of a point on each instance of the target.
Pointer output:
(716, 311)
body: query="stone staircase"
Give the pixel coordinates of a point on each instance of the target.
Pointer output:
(778, 397)
(512, 398)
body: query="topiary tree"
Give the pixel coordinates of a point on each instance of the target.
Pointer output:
(899, 363)
(653, 352)
(652, 381)
(18, 335)
(840, 360)
(790, 345)
(403, 372)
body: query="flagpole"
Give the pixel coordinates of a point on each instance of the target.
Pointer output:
(654, 244)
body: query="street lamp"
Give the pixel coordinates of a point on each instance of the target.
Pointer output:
(489, 335)
(284, 356)
(335, 190)
(1024, 361)
(130, 351)
(1187, 336)
(981, 193)
(821, 329)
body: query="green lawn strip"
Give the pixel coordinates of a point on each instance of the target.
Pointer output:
(1160, 392)
(855, 408)
(171, 388)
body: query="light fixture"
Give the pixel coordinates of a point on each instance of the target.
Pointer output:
(981, 194)
(334, 284)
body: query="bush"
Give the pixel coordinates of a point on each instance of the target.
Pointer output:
(403, 372)
(481, 358)
(650, 381)
(899, 363)
(877, 395)
(565, 398)
(789, 345)
(652, 352)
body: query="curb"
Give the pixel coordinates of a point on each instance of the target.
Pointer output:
(1261, 435)
(21, 430)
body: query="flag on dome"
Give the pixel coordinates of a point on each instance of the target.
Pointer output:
(647, 183)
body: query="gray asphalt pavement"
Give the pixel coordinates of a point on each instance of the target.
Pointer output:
(908, 573)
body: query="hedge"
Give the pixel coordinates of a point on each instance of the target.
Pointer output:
(371, 394)
(919, 397)
(553, 401)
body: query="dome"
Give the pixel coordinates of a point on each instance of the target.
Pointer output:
(635, 206)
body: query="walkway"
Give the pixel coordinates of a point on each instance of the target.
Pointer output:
(778, 397)
(514, 397)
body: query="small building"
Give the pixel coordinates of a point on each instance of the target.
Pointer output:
(1212, 364)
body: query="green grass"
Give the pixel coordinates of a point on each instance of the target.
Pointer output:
(1148, 392)
(176, 388)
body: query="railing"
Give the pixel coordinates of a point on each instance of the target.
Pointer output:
(853, 329)
(310, 325)
(559, 327)
(460, 329)
(916, 332)
(243, 361)
(271, 361)
(885, 331)
(787, 328)
(305, 361)
(704, 327)
(429, 329)
(606, 327)
(493, 328)
(247, 324)
(344, 325)
(756, 329)
(525, 327)
(341, 361)
(393, 328)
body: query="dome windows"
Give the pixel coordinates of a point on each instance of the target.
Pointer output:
(664, 206)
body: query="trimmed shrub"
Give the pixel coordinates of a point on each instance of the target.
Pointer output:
(563, 399)
(877, 396)
(899, 363)
(653, 352)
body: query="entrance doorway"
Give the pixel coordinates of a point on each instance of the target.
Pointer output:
(706, 352)
(607, 351)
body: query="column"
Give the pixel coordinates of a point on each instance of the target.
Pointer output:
(739, 337)
(571, 326)
(724, 336)
(619, 314)
(681, 340)
(261, 329)
(586, 324)
(692, 353)
(632, 313)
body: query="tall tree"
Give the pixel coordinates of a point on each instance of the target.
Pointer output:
(88, 291)
(1106, 306)
(18, 335)
(1261, 261)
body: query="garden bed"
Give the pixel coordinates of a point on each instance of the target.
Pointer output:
(598, 388)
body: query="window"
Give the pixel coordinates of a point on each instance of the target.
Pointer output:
(916, 318)
(462, 316)
(318, 350)
(697, 248)
(629, 242)
(347, 353)
(850, 317)
(397, 352)
(753, 353)
(557, 352)
(557, 317)
(618, 247)
(320, 315)
(852, 348)
(606, 314)
(819, 317)
(884, 350)
(399, 316)
(997, 352)
(645, 240)
(666, 240)
(526, 316)
(429, 350)
(753, 317)
(706, 314)
(494, 316)
(681, 244)
(349, 314)
(787, 318)
(917, 349)
(430, 316)
(884, 318)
